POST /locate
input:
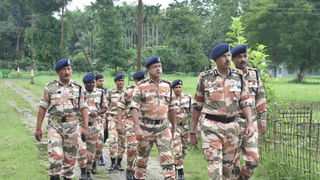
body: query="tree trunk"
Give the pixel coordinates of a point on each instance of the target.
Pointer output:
(152, 35)
(157, 35)
(32, 49)
(139, 34)
(62, 31)
(300, 75)
(18, 32)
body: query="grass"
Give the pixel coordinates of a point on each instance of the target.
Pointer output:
(19, 157)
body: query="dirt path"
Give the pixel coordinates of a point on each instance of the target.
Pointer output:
(29, 119)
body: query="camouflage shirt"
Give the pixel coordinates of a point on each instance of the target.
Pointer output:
(153, 101)
(257, 94)
(125, 101)
(60, 100)
(96, 100)
(182, 108)
(113, 98)
(221, 96)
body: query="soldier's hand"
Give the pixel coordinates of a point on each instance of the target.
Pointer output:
(120, 128)
(85, 132)
(194, 140)
(139, 134)
(38, 135)
(249, 130)
(263, 127)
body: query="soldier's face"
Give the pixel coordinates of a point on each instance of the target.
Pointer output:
(65, 73)
(90, 85)
(155, 70)
(240, 61)
(120, 83)
(99, 83)
(223, 62)
(178, 90)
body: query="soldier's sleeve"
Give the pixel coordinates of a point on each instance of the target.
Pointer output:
(199, 95)
(45, 100)
(245, 95)
(136, 99)
(82, 103)
(261, 102)
(122, 103)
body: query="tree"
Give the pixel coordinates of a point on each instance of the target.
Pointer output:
(110, 32)
(290, 29)
(183, 33)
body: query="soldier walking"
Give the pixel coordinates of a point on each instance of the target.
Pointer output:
(97, 106)
(124, 106)
(150, 108)
(182, 104)
(103, 124)
(63, 99)
(249, 145)
(220, 96)
(116, 139)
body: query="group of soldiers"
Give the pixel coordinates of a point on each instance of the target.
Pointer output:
(228, 103)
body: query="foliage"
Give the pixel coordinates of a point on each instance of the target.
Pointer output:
(290, 29)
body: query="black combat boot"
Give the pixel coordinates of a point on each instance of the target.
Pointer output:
(101, 161)
(129, 175)
(180, 174)
(113, 165)
(89, 175)
(65, 178)
(94, 168)
(119, 167)
(83, 175)
(56, 177)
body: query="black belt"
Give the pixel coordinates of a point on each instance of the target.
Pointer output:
(220, 118)
(154, 122)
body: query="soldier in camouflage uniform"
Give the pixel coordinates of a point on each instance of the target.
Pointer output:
(220, 96)
(182, 104)
(249, 145)
(64, 101)
(82, 153)
(116, 139)
(96, 101)
(103, 128)
(151, 107)
(124, 106)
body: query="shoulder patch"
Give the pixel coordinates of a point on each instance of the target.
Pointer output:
(208, 72)
(251, 69)
(51, 83)
(143, 81)
(76, 83)
(166, 81)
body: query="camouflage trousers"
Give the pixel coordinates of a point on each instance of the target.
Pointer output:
(219, 143)
(82, 154)
(116, 140)
(131, 144)
(62, 147)
(161, 136)
(250, 151)
(181, 144)
(91, 143)
(100, 142)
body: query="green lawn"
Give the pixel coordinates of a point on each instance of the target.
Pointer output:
(19, 157)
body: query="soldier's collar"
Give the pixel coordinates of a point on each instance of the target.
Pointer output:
(216, 72)
(151, 81)
(60, 83)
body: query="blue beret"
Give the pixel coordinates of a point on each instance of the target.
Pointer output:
(219, 50)
(99, 76)
(152, 60)
(239, 50)
(63, 63)
(139, 75)
(88, 77)
(118, 76)
(176, 82)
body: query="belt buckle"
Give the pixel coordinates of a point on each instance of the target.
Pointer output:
(63, 119)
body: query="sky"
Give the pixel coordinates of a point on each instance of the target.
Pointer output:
(80, 4)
